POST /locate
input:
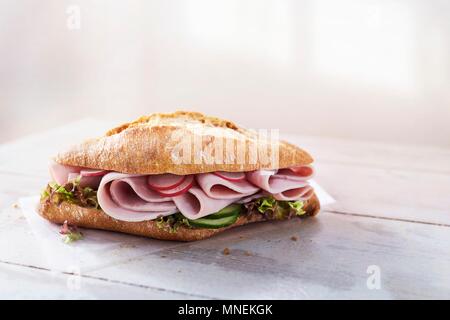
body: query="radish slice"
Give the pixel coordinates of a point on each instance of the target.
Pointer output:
(230, 176)
(93, 172)
(180, 189)
(304, 171)
(165, 181)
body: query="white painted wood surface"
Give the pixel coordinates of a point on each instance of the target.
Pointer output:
(392, 212)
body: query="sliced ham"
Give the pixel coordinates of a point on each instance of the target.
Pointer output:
(138, 183)
(88, 177)
(272, 183)
(303, 193)
(231, 176)
(60, 173)
(90, 181)
(85, 181)
(93, 173)
(285, 184)
(185, 185)
(302, 173)
(217, 187)
(123, 194)
(165, 181)
(252, 197)
(127, 197)
(72, 176)
(196, 204)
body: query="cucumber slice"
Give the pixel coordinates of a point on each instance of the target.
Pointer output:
(231, 210)
(214, 223)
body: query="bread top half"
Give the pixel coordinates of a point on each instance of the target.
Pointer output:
(183, 143)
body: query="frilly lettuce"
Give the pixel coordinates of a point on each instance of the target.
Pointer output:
(71, 192)
(297, 206)
(276, 209)
(172, 222)
(70, 233)
(72, 237)
(265, 204)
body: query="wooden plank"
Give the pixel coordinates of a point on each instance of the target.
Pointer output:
(13, 225)
(375, 154)
(389, 193)
(25, 282)
(330, 259)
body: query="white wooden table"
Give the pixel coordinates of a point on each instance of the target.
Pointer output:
(392, 215)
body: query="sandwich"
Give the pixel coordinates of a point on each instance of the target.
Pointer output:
(181, 176)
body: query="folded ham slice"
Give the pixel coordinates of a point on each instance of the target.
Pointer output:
(302, 194)
(127, 197)
(60, 173)
(217, 187)
(64, 174)
(196, 204)
(252, 197)
(288, 184)
(301, 173)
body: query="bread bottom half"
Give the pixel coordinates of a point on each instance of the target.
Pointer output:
(96, 219)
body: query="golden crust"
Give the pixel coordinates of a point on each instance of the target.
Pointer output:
(151, 145)
(97, 219)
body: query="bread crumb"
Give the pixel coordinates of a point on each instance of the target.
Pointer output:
(226, 251)
(294, 238)
(248, 253)
(15, 206)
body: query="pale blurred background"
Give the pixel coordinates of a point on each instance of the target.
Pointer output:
(358, 69)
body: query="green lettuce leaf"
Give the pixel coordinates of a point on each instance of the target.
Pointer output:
(266, 204)
(272, 208)
(172, 222)
(297, 206)
(70, 232)
(71, 192)
(72, 237)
